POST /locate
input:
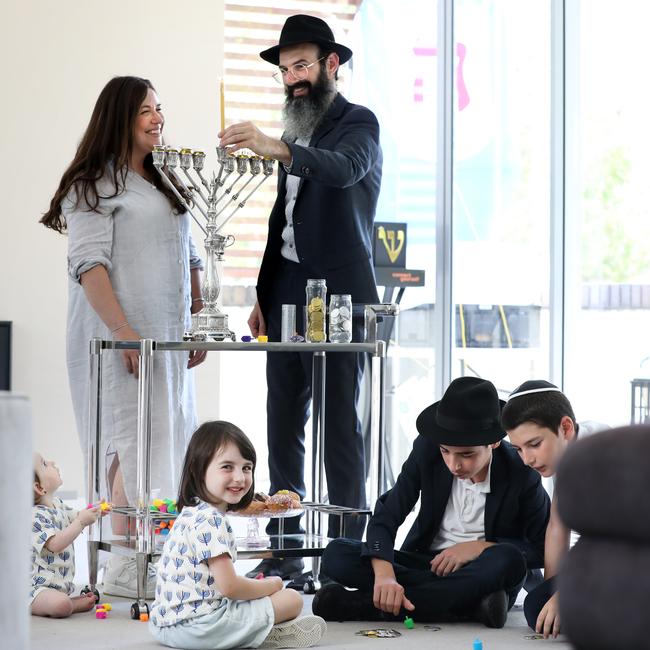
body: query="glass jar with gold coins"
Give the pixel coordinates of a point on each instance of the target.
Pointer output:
(315, 311)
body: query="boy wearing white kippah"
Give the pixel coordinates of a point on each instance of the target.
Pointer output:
(540, 423)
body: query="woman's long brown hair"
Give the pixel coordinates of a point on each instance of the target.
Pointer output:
(107, 144)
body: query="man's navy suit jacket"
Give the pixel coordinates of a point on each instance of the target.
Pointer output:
(517, 507)
(340, 177)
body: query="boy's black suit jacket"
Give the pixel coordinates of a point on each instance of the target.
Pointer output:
(517, 507)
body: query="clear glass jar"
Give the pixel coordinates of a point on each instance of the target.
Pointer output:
(288, 328)
(340, 325)
(316, 291)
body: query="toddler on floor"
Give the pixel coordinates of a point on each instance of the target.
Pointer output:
(55, 526)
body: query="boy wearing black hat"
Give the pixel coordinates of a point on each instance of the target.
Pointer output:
(480, 526)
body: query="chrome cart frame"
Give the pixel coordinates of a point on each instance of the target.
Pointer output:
(142, 544)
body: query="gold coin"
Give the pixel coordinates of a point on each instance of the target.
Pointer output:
(317, 337)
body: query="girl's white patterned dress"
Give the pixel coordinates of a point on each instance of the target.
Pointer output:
(185, 587)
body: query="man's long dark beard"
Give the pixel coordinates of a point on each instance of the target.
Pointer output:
(302, 114)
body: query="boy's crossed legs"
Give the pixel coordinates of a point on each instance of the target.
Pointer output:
(499, 567)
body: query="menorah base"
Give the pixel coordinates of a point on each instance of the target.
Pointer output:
(209, 325)
(210, 335)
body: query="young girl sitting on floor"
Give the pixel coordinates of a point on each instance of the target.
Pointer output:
(55, 526)
(200, 601)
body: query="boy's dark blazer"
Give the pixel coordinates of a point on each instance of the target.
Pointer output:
(516, 509)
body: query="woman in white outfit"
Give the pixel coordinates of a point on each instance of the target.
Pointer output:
(134, 273)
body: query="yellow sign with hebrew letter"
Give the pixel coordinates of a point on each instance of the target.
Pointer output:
(393, 241)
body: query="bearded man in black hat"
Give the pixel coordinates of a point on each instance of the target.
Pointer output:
(321, 226)
(480, 527)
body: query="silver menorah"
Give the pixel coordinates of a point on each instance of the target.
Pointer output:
(211, 199)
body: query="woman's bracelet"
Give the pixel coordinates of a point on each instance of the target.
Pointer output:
(197, 299)
(119, 327)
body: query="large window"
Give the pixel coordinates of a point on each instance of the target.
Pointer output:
(501, 190)
(608, 258)
(509, 319)
(395, 74)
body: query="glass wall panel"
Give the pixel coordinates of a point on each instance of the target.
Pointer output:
(394, 72)
(501, 191)
(608, 259)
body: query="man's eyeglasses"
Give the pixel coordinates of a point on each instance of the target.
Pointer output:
(298, 71)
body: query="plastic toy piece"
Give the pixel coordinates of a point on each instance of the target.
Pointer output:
(259, 576)
(408, 623)
(163, 527)
(144, 617)
(103, 505)
(296, 338)
(107, 606)
(100, 613)
(262, 339)
(246, 338)
(163, 505)
(477, 645)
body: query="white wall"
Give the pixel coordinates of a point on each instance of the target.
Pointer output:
(55, 58)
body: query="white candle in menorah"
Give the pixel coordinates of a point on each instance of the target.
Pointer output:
(217, 202)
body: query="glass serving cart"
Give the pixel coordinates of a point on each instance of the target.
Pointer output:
(140, 544)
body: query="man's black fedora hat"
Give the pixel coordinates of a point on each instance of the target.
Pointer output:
(468, 415)
(306, 29)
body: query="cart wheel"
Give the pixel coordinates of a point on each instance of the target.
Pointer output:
(88, 590)
(309, 587)
(140, 613)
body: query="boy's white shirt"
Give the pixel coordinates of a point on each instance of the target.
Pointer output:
(185, 587)
(464, 518)
(51, 570)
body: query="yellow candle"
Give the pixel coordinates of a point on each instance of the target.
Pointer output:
(223, 105)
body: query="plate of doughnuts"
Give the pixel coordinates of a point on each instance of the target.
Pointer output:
(284, 503)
